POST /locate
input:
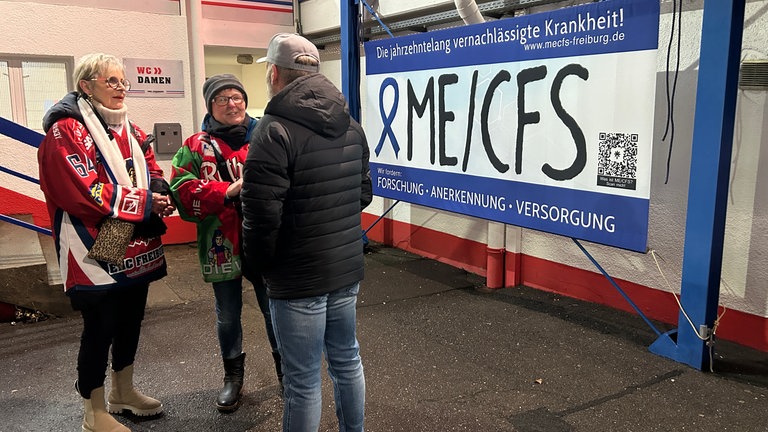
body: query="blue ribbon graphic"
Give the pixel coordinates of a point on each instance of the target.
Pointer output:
(388, 118)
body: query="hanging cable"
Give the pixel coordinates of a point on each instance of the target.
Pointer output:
(666, 74)
(708, 339)
(675, 32)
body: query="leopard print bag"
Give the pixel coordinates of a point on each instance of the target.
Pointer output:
(112, 241)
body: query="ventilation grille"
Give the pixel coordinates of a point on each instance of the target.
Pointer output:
(754, 75)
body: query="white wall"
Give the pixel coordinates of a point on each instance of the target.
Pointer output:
(77, 27)
(43, 29)
(168, 7)
(74, 31)
(319, 15)
(253, 77)
(745, 264)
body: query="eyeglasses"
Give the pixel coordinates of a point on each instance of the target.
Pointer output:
(224, 100)
(115, 82)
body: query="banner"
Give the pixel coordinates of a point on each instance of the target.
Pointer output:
(543, 121)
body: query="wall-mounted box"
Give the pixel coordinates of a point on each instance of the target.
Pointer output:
(167, 138)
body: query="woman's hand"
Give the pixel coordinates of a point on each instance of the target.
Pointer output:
(233, 191)
(162, 205)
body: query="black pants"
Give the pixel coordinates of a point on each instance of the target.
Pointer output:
(110, 318)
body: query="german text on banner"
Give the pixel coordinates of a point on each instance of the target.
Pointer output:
(543, 121)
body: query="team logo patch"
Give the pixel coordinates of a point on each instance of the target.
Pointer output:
(97, 189)
(88, 142)
(130, 206)
(131, 202)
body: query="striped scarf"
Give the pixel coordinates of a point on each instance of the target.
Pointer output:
(112, 158)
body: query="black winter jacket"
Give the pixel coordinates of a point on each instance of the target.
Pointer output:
(305, 181)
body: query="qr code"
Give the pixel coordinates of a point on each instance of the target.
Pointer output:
(617, 160)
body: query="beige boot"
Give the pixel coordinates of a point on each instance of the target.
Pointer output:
(96, 418)
(123, 396)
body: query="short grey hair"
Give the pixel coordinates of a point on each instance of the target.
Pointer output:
(289, 75)
(92, 65)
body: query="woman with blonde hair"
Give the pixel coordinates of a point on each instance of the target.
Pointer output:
(106, 197)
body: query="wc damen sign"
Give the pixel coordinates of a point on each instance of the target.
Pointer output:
(155, 78)
(543, 121)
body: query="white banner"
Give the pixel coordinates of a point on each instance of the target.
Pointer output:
(543, 121)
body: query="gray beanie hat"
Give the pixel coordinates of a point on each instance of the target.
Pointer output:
(217, 83)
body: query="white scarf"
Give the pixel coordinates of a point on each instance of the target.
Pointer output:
(112, 158)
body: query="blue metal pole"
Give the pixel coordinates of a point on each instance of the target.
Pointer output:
(721, 36)
(350, 55)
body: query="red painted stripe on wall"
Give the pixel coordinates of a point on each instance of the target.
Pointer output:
(594, 287)
(252, 7)
(736, 326)
(15, 204)
(179, 231)
(466, 254)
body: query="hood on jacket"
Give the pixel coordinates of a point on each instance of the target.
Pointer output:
(308, 102)
(65, 108)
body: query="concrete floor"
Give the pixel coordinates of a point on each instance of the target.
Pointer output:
(439, 355)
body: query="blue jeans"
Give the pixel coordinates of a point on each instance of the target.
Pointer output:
(229, 306)
(305, 329)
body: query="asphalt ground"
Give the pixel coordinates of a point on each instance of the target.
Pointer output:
(440, 353)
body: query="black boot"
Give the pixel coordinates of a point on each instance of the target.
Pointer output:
(278, 369)
(229, 397)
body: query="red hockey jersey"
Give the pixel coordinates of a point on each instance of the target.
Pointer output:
(79, 196)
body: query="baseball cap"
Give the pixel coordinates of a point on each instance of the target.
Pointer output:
(284, 48)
